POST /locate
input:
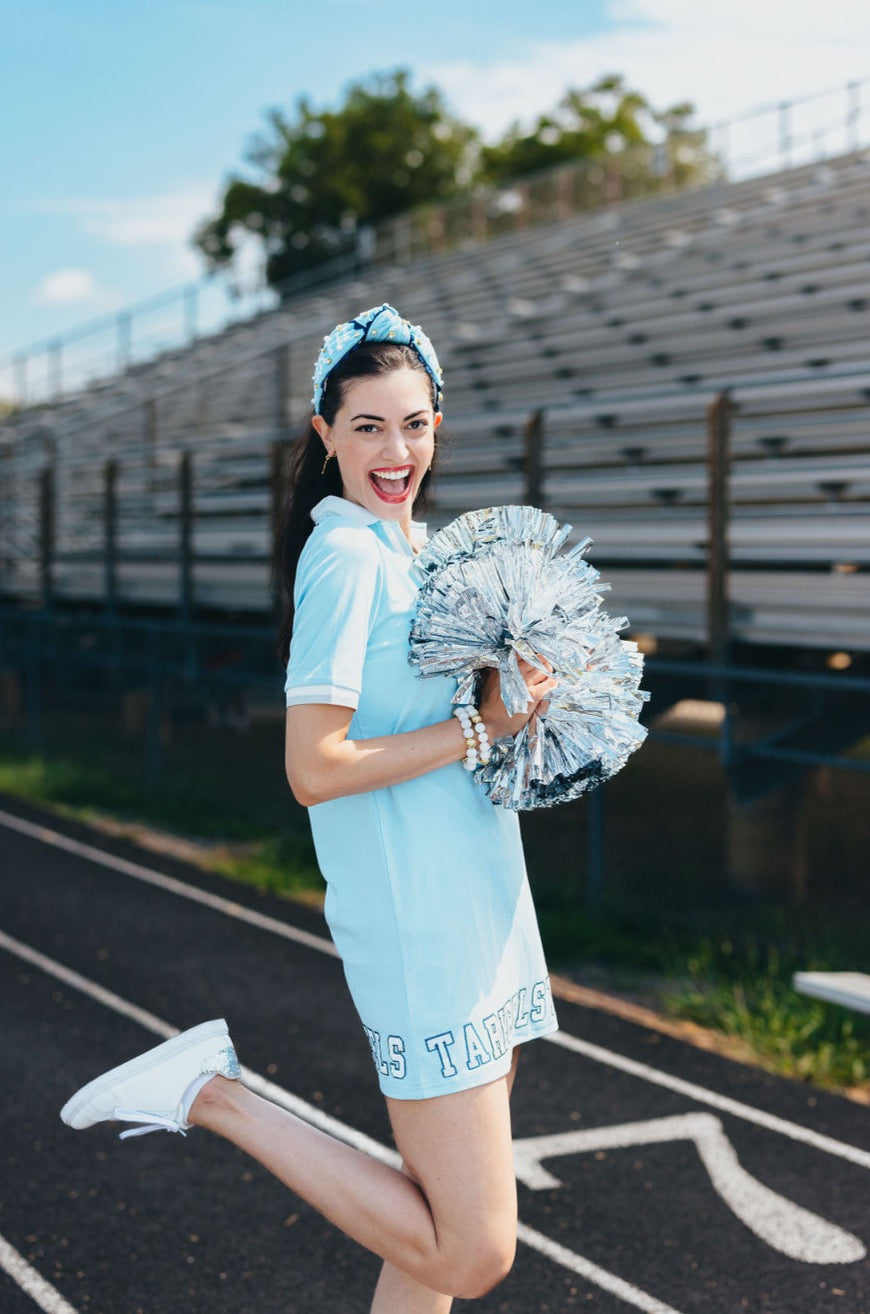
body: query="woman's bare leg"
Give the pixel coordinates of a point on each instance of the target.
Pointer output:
(454, 1232)
(398, 1292)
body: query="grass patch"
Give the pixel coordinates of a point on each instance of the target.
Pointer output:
(279, 864)
(738, 984)
(60, 782)
(749, 995)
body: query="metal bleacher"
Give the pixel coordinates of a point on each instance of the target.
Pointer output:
(618, 328)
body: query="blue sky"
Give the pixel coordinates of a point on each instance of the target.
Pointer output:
(121, 118)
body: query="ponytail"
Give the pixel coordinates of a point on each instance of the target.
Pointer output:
(308, 482)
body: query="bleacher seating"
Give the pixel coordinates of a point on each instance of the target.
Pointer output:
(619, 326)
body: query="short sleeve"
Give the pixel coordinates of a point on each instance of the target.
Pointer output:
(336, 583)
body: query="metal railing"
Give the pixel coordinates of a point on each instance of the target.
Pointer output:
(775, 137)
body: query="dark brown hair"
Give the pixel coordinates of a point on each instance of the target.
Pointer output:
(309, 482)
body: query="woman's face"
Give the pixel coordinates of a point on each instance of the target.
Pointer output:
(383, 437)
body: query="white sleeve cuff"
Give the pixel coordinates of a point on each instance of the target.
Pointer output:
(332, 694)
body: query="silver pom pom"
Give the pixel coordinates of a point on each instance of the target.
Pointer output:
(494, 590)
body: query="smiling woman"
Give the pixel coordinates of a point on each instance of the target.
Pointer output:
(427, 897)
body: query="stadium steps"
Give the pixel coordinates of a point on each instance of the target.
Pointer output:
(621, 324)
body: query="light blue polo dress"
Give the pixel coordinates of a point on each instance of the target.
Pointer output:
(427, 897)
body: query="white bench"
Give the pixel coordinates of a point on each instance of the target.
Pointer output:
(849, 989)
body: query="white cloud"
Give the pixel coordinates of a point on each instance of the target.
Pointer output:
(726, 59)
(67, 287)
(163, 221)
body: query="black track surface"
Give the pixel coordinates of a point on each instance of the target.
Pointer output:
(161, 1225)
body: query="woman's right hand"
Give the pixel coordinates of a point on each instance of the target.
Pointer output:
(499, 724)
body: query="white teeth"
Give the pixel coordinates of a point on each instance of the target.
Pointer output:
(392, 474)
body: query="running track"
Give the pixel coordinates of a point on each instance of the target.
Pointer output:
(654, 1176)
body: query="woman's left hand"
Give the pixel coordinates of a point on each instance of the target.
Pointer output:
(499, 723)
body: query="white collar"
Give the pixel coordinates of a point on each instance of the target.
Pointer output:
(340, 506)
(360, 515)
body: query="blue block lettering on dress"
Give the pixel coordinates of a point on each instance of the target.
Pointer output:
(521, 1018)
(506, 1022)
(396, 1051)
(476, 1052)
(493, 1027)
(442, 1045)
(540, 1000)
(375, 1042)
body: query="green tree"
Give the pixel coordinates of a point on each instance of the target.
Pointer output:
(602, 120)
(323, 173)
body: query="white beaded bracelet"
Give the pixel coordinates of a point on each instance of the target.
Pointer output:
(463, 716)
(483, 745)
(477, 746)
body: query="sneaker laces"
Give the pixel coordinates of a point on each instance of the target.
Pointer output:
(152, 1122)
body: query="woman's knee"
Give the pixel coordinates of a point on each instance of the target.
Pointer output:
(482, 1266)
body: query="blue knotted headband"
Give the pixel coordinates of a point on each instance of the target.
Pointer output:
(380, 324)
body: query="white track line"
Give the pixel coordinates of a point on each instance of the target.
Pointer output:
(31, 1283)
(597, 1053)
(168, 883)
(777, 1221)
(769, 1121)
(558, 1254)
(592, 1273)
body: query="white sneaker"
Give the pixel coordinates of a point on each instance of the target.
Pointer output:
(150, 1089)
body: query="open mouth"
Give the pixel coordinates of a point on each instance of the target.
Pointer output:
(391, 485)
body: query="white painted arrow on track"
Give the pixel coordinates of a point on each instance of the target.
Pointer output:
(783, 1225)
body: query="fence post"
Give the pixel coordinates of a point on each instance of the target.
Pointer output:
(124, 340)
(155, 709)
(277, 454)
(185, 535)
(281, 389)
(435, 229)
(110, 535)
(21, 379)
(149, 441)
(612, 179)
(565, 192)
(55, 368)
(784, 115)
(718, 460)
(34, 684)
(191, 312)
(277, 486)
(523, 212)
(46, 535)
(534, 434)
(479, 216)
(853, 115)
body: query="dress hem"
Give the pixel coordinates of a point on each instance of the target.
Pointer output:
(483, 1076)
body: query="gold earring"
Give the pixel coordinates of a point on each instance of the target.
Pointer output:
(327, 458)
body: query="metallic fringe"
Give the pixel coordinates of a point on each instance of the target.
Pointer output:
(494, 589)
